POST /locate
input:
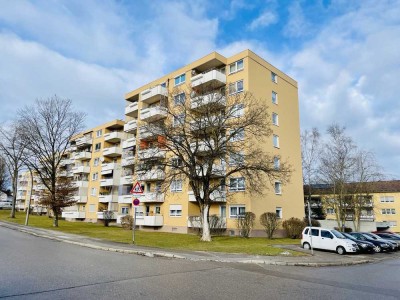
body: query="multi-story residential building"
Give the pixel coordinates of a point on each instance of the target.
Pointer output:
(380, 205)
(176, 210)
(29, 190)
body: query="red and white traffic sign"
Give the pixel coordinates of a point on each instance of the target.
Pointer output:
(137, 189)
(136, 202)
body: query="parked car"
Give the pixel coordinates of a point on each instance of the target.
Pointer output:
(327, 239)
(379, 246)
(387, 232)
(394, 245)
(5, 205)
(390, 237)
(363, 246)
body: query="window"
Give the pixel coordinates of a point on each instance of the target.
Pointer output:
(175, 210)
(92, 208)
(176, 185)
(238, 135)
(236, 184)
(236, 66)
(278, 188)
(275, 119)
(388, 211)
(330, 211)
(393, 223)
(274, 97)
(326, 234)
(222, 211)
(179, 120)
(97, 147)
(278, 212)
(274, 77)
(95, 176)
(236, 211)
(277, 163)
(176, 162)
(180, 79)
(180, 99)
(96, 162)
(275, 140)
(236, 159)
(238, 110)
(314, 232)
(236, 87)
(124, 210)
(99, 133)
(93, 192)
(384, 199)
(157, 210)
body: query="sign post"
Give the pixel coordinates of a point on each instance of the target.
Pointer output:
(137, 189)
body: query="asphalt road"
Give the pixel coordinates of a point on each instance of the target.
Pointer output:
(38, 268)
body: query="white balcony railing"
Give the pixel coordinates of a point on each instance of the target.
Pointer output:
(126, 180)
(151, 197)
(84, 155)
(81, 169)
(125, 199)
(73, 214)
(213, 78)
(152, 114)
(217, 196)
(195, 222)
(132, 109)
(105, 198)
(112, 151)
(212, 98)
(146, 132)
(100, 215)
(131, 142)
(216, 170)
(131, 126)
(80, 199)
(153, 94)
(84, 141)
(150, 175)
(151, 153)
(156, 220)
(107, 182)
(128, 161)
(81, 184)
(108, 168)
(114, 137)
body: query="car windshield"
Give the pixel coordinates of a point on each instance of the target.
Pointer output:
(338, 234)
(348, 236)
(374, 235)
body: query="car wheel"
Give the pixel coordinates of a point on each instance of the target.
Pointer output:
(377, 249)
(306, 246)
(340, 250)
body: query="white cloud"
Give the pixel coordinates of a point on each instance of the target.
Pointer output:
(264, 20)
(297, 25)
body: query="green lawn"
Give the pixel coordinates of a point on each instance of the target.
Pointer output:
(256, 246)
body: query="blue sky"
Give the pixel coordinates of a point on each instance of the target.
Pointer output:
(345, 55)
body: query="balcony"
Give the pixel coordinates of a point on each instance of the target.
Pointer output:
(153, 94)
(213, 79)
(157, 220)
(84, 141)
(151, 175)
(216, 99)
(148, 133)
(131, 126)
(126, 180)
(73, 214)
(108, 168)
(151, 153)
(216, 170)
(100, 215)
(151, 197)
(205, 124)
(125, 199)
(112, 151)
(21, 197)
(152, 114)
(128, 161)
(202, 147)
(107, 182)
(62, 174)
(65, 162)
(129, 143)
(114, 137)
(84, 155)
(132, 109)
(81, 169)
(81, 184)
(217, 196)
(105, 198)
(80, 199)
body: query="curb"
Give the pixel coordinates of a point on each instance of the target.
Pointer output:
(176, 256)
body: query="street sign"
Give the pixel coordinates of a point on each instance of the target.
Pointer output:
(137, 188)
(136, 201)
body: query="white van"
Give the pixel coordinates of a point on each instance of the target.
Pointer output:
(327, 239)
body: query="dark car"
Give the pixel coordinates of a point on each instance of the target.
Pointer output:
(390, 237)
(379, 246)
(394, 246)
(364, 246)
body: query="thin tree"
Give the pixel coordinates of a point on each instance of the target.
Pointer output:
(12, 149)
(338, 163)
(47, 128)
(4, 175)
(210, 137)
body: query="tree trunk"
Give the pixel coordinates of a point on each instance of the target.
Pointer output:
(14, 187)
(55, 219)
(206, 235)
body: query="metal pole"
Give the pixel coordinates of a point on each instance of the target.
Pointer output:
(309, 223)
(134, 225)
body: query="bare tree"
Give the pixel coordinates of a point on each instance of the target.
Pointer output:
(310, 154)
(211, 136)
(4, 175)
(338, 163)
(270, 222)
(47, 128)
(12, 149)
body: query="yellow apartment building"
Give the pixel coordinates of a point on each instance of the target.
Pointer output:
(381, 208)
(176, 210)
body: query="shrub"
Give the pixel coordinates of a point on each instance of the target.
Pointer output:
(314, 223)
(270, 222)
(293, 227)
(127, 222)
(245, 223)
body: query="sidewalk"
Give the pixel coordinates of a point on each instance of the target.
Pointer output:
(319, 259)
